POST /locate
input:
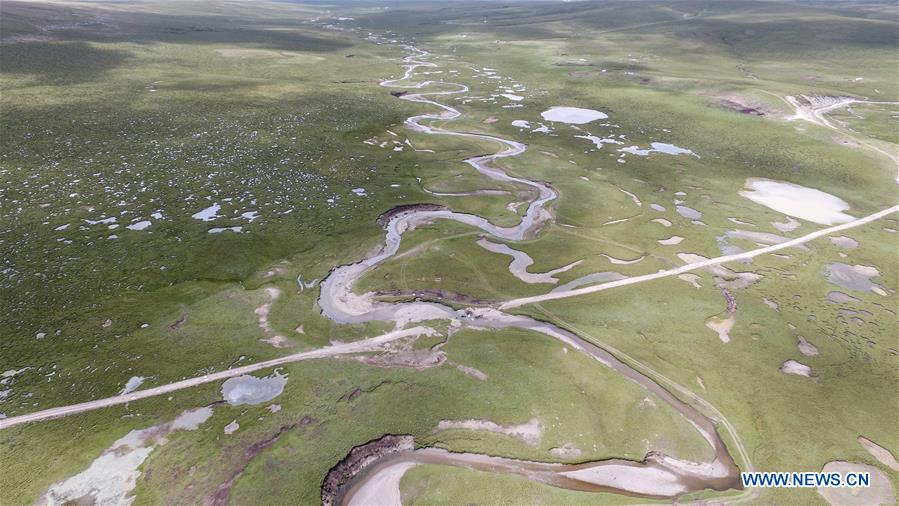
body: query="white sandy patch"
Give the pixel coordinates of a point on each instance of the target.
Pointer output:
(471, 371)
(572, 115)
(140, 225)
(262, 313)
(382, 489)
(658, 147)
(761, 238)
(880, 490)
(640, 480)
(566, 451)
(786, 226)
(618, 261)
(880, 453)
(232, 427)
(662, 221)
(208, 214)
(797, 368)
(844, 242)
(219, 230)
(675, 239)
(691, 278)
(632, 196)
(806, 348)
(520, 123)
(599, 141)
(797, 201)
(111, 478)
(529, 432)
(722, 326)
(132, 384)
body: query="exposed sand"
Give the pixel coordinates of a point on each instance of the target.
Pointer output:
(688, 212)
(786, 226)
(133, 384)
(566, 451)
(880, 453)
(471, 371)
(841, 298)
(648, 481)
(572, 115)
(382, 489)
(262, 313)
(358, 346)
(844, 242)
(528, 432)
(806, 348)
(799, 369)
(407, 357)
(691, 278)
(797, 201)
(111, 478)
(761, 238)
(722, 326)
(880, 491)
(618, 261)
(658, 147)
(671, 241)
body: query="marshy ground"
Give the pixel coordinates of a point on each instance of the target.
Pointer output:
(178, 178)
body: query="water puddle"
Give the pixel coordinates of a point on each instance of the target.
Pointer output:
(572, 115)
(658, 147)
(253, 390)
(854, 277)
(797, 201)
(208, 214)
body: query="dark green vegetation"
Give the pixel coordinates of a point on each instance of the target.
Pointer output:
(150, 109)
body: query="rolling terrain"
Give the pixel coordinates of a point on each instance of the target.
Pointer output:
(535, 252)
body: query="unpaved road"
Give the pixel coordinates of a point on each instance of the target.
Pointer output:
(365, 345)
(699, 265)
(659, 476)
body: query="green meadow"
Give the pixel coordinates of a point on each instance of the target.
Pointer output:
(164, 165)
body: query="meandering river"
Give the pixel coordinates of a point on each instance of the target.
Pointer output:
(658, 476)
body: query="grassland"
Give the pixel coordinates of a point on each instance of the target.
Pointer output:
(157, 111)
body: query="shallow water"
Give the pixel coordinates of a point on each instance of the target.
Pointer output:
(598, 141)
(219, 230)
(844, 242)
(208, 214)
(139, 225)
(840, 298)
(572, 115)
(132, 384)
(658, 147)
(253, 390)
(853, 277)
(688, 212)
(341, 304)
(797, 201)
